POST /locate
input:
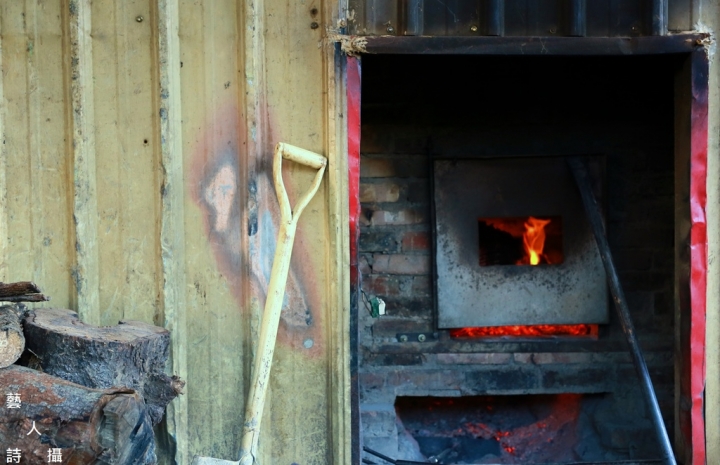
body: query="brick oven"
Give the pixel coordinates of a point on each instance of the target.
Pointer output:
(482, 139)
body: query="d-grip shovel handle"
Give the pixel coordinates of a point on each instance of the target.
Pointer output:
(276, 291)
(304, 157)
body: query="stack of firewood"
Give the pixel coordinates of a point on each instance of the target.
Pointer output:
(75, 393)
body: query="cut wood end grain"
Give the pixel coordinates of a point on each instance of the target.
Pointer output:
(12, 340)
(132, 354)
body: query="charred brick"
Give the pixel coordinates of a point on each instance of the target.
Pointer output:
(385, 242)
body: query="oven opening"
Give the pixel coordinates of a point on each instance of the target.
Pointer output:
(531, 240)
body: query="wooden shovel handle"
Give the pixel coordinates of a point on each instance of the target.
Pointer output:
(276, 291)
(304, 157)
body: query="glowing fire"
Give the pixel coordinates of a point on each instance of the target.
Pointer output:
(534, 239)
(529, 330)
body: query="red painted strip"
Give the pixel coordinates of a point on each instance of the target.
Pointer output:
(698, 252)
(353, 130)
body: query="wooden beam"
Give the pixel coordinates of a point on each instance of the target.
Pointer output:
(555, 46)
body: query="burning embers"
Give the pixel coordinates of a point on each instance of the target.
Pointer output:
(526, 331)
(493, 429)
(520, 241)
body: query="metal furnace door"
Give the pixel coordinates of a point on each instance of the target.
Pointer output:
(469, 193)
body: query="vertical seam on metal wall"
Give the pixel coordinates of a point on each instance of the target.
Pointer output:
(34, 147)
(256, 137)
(3, 183)
(172, 238)
(85, 272)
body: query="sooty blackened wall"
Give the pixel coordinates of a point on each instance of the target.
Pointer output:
(416, 108)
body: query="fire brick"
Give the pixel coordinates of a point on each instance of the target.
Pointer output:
(426, 380)
(383, 192)
(385, 327)
(591, 379)
(561, 357)
(376, 168)
(421, 286)
(385, 286)
(364, 266)
(502, 380)
(385, 360)
(378, 423)
(523, 358)
(415, 240)
(370, 381)
(477, 359)
(412, 307)
(401, 167)
(378, 242)
(383, 217)
(418, 192)
(401, 264)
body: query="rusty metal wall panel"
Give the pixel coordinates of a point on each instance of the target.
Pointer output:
(470, 295)
(551, 18)
(36, 157)
(134, 174)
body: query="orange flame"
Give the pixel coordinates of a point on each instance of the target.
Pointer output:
(534, 239)
(527, 330)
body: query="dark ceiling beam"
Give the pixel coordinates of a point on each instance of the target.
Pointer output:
(557, 46)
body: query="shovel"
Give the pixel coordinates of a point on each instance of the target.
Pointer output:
(275, 295)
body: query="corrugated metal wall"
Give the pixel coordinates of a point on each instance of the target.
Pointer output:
(551, 18)
(137, 140)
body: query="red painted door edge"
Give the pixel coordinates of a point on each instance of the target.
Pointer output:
(698, 250)
(353, 145)
(352, 96)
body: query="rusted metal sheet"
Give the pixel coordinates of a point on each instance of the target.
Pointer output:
(468, 294)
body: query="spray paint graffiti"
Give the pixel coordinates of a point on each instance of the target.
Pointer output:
(241, 216)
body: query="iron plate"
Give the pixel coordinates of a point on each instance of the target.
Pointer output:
(470, 295)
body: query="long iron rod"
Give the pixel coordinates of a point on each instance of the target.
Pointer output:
(592, 208)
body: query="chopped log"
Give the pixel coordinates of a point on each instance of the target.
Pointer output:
(26, 298)
(19, 288)
(23, 291)
(131, 354)
(87, 425)
(12, 341)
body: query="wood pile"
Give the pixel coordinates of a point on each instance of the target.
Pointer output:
(85, 394)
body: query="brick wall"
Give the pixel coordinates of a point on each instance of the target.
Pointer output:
(395, 241)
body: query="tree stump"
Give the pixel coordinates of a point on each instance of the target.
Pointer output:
(131, 354)
(87, 425)
(12, 341)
